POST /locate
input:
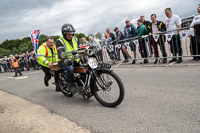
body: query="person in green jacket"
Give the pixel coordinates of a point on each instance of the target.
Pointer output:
(141, 31)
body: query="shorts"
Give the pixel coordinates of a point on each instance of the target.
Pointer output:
(131, 45)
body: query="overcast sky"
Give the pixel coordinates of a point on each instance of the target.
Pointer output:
(18, 18)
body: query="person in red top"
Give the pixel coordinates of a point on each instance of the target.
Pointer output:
(15, 65)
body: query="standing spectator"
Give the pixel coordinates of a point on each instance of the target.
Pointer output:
(8, 62)
(130, 32)
(15, 65)
(120, 36)
(145, 23)
(85, 42)
(116, 50)
(33, 59)
(97, 45)
(173, 22)
(110, 48)
(141, 30)
(26, 61)
(0, 66)
(21, 62)
(110, 34)
(194, 32)
(4, 63)
(154, 28)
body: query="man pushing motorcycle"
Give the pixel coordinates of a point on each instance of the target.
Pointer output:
(67, 44)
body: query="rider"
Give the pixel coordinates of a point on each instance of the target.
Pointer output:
(66, 45)
(47, 55)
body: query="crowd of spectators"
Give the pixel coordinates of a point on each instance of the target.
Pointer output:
(115, 42)
(27, 61)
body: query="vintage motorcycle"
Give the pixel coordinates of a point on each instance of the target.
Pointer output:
(92, 78)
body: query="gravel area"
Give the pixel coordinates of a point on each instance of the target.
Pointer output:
(20, 116)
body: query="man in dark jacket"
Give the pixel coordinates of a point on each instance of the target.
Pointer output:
(120, 36)
(144, 22)
(155, 28)
(113, 38)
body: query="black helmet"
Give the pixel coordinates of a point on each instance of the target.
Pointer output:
(68, 28)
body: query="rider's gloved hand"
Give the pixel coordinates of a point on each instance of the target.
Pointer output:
(67, 62)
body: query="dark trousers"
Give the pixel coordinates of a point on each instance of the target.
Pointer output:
(161, 43)
(47, 75)
(143, 48)
(0, 68)
(194, 47)
(5, 68)
(9, 67)
(100, 55)
(17, 71)
(69, 71)
(175, 45)
(26, 62)
(118, 53)
(21, 65)
(112, 55)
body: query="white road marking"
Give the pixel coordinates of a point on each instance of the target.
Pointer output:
(117, 65)
(171, 64)
(32, 73)
(24, 77)
(15, 78)
(18, 78)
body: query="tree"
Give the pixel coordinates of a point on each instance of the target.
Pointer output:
(92, 35)
(98, 35)
(4, 52)
(79, 36)
(19, 46)
(42, 39)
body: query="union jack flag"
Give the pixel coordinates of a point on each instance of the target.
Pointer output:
(35, 39)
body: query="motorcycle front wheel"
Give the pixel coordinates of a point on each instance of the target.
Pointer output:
(109, 89)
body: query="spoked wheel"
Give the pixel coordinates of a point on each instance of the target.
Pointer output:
(109, 89)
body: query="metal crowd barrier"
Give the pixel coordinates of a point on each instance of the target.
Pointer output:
(176, 46)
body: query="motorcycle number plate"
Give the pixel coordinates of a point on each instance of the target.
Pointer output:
(92, 63)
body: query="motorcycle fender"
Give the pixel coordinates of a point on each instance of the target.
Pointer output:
(104, 70)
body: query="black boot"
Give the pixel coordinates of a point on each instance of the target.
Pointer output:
(58, 88)
(20, 74)
(156, 61)
(46, 82)
(180, 60)
(126, 60)
(165, 60)
(173, 60)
